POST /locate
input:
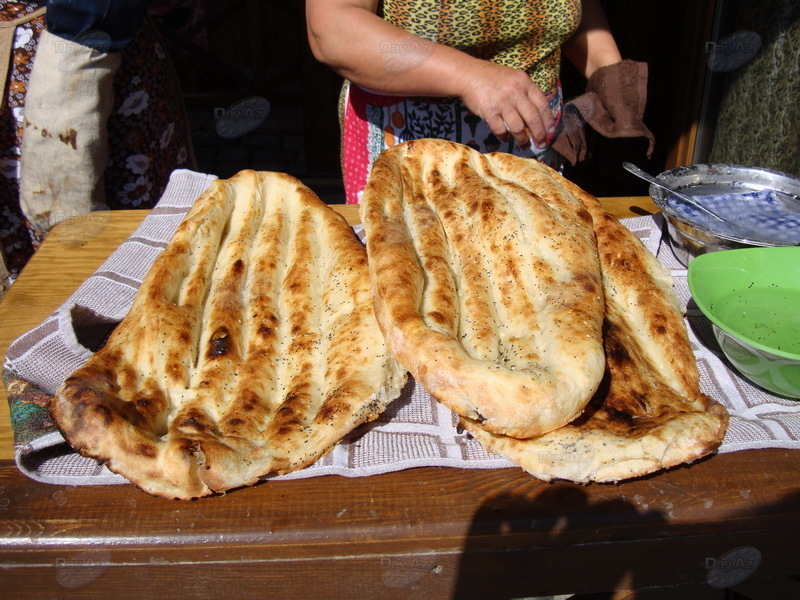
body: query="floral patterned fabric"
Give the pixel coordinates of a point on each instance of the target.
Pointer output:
(148, 130)
(28, 406)
(372, 123)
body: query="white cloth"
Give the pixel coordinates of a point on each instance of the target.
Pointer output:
(64, 148)
(763, 215)
(414, 431)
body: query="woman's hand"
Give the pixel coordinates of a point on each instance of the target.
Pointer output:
(508, 100)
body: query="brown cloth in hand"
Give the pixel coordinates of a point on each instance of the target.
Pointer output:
(613, 106)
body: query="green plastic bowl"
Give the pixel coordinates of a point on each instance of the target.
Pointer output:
(752, 298)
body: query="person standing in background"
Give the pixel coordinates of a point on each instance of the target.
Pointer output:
(92, 116)
(64, 150)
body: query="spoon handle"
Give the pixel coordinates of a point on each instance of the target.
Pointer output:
(631, 168)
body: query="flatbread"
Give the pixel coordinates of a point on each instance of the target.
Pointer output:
(251, 348)
(647, 414)
(486, 283)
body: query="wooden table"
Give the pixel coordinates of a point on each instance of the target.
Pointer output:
(420, 533)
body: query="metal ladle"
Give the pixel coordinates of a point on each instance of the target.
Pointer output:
(631, 168)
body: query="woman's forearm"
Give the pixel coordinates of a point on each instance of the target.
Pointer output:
(592, 46)
(360, 46)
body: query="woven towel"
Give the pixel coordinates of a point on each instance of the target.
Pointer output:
(414, 431)
(613, 105)
(763, 215)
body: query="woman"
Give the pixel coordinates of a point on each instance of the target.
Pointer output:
(478, 72)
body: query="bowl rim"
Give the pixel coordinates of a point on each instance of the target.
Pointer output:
(659, 196)
(691, 277)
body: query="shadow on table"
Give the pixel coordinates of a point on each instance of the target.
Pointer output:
(493, 565)
(565, 552)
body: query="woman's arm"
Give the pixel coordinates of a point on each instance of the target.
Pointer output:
(354, 41)
(592, 46)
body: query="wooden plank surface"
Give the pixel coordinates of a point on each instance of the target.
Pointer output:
(420, 533)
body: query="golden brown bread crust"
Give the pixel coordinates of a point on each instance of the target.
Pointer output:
(649, 414)
(486, 283)
(250, 348)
